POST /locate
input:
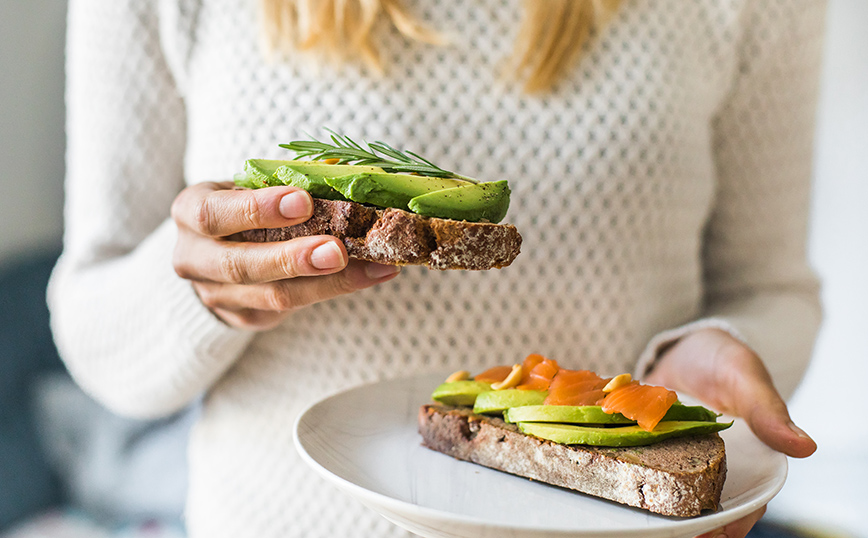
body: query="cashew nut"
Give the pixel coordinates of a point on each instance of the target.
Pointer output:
(511, 380)
(460, 375)
(617, 382)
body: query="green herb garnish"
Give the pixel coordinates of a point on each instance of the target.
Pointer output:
(380, 154)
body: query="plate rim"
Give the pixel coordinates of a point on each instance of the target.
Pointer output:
(372, 499)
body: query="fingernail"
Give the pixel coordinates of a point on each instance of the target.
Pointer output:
(327, 256)
(798, 431)
(295, 205)
(721, 534)
(376, 271)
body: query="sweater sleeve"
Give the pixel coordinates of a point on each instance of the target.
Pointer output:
(132, 333)
(758, 282)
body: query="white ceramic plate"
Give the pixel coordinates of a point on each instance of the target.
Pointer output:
(365, 441)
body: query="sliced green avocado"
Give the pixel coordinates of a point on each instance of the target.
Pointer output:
(243, 180)
(474, 202)
(389, 190)
(570, 434)
(594, 414)
(497, 401)
(460, 392)
(699, 413)
(312, 176)
(259, 173)
(569, 414)
(307, 175)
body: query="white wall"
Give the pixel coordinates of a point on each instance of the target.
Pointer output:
(31, 124)
(832, 403)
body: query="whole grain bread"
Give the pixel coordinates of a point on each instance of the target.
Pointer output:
(677, 477)
(398, 237)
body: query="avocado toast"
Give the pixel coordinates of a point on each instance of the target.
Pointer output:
(391, 207)
(675, 465)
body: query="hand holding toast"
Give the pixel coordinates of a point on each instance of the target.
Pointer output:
(731, 378)
(255, 286)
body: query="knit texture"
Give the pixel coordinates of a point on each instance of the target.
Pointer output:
(663, 185)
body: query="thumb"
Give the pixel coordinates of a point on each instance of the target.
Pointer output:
(730, 377)
(765, 412)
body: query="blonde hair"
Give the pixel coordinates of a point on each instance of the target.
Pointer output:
(549, 41)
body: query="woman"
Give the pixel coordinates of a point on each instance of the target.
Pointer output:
(660, 174)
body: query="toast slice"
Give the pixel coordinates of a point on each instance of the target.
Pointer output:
(397, 237)
(677, 477)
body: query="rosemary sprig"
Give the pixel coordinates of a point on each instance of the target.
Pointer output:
(348, 151)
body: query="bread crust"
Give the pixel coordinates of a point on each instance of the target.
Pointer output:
(397, 237)
(677, 477)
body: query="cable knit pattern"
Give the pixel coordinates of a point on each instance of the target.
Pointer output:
(661, 186)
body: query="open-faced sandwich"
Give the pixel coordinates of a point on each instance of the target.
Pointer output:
(391, 207)
(608, 437)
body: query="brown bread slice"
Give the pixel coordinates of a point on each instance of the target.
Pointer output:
(397, 237)
(677, 477)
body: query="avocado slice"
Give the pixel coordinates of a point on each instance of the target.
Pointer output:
(594, 414)
(258, 173)
(427, 196)
(307, 175)
(388, 190)
(460, 392)
(473, 202)
(568, 414)
(570, 434)
(497, 401)
(681, 412)
(312, 176)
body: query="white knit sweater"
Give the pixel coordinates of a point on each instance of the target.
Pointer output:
(662, 186)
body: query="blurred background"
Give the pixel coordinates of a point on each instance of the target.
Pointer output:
(825, 494)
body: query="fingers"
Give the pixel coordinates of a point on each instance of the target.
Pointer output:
(232, 262)
(738, 528)
(206, 213)
(762, 407)
(731, 378)
(746, 390)
(217, 210)
(255, 285)
(263, 306)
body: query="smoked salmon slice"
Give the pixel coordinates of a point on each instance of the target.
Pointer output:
(576, 387)
(646, 404)
(494, 375)
(538, 373)
(529, 362)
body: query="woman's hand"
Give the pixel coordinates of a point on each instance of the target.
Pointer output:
(255, 286)
(729, 377)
